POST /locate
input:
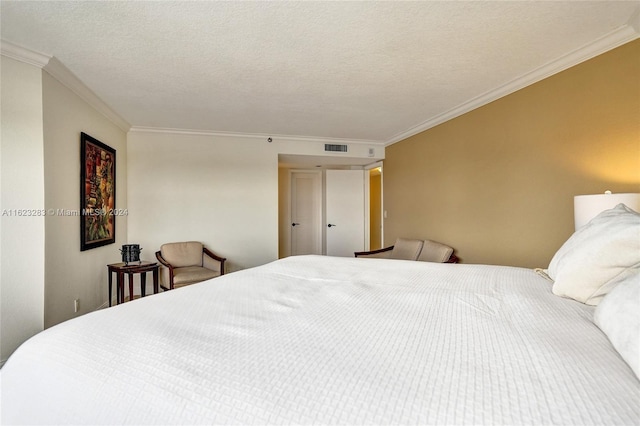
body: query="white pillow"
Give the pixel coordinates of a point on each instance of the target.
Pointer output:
(618, 316)
(597, 256)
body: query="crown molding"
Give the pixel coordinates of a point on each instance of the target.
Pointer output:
(613, 39)
(634, 21)
(22, 54)
(275, 137)
(57, 70)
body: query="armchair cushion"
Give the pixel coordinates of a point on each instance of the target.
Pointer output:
(434, 252)
(192, 274)
(406, 249)
(182, 254)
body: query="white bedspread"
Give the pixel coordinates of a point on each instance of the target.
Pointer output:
(321, 340)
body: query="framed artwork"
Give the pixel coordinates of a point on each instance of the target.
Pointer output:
(97, 193)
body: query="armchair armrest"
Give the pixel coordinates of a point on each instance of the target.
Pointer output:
(372, 253)
(214, 256)
(452, 259)
(168, 265)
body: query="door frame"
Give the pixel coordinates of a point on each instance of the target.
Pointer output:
(286, 227)
(367, 204)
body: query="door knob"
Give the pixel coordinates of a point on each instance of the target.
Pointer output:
(294, 224)
(330, 225)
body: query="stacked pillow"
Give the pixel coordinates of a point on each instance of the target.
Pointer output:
(597, 256)
(603, 259)
(618, 316)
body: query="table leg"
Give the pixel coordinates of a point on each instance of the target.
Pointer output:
(143, 284)
(155, 281)
(110, 286)
(130, 287)
(120, 289)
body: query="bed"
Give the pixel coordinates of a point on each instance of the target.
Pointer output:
(327, 340)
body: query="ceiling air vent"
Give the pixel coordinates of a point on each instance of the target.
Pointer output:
(335, 148)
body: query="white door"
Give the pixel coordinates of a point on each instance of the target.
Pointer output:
(345, 212)
(306, 213)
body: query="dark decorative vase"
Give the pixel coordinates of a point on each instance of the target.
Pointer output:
(130, 253)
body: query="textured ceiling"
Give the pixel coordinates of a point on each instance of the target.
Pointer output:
(352, 70)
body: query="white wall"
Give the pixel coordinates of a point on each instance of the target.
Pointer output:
(70, 273)
(22, 181)
(221, 190)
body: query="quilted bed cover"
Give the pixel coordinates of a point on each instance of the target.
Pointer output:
(322, 340)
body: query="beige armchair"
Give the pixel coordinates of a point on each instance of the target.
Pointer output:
(187, 263)
(410, 249)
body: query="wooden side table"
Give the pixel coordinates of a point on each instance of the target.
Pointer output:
(142, 268)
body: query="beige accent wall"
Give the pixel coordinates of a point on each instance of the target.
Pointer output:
(498, 182)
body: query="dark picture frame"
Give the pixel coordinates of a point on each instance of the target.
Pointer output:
(97, 193)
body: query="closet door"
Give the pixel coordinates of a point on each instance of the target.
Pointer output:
(345, 212)
(306, 213)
